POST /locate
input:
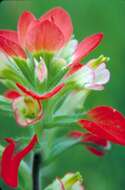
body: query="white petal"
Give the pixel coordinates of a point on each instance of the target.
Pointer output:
(102, 76)
(94, 86)
(84, 76)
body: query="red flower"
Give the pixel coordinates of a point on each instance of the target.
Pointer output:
(93, 143)
(11, 160)
(107, 123)
(49, 33)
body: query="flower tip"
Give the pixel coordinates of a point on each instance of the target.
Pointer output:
(35, 138)
(9, 140)
(100, 35)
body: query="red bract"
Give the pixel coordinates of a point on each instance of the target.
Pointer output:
(86, 46)
(43, 96)
(11, 94)
(74, 68)
(10, 47)
(11, 160)
(107, 123)
(49, 33)
(93, 143)
(62, 19)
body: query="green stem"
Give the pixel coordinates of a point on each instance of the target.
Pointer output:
(37, 160)
(38, 130)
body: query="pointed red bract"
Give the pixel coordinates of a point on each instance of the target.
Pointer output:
(23, 24)
(60, 18)
(107, 123)
(10, 35)
(43, 96)
(10, 161)
(44, 36)
(92, 140)
(86, 46)
(11, 94)
(74, 68)
(11, 48)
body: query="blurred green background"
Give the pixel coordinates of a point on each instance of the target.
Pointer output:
(88, 16)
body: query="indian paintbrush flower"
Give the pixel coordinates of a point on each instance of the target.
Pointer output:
(32, 55)
(47, 84)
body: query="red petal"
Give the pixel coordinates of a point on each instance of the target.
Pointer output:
(23, 24)
(107, 116)
(20, 155)
(44, 36)
(43, 96)
(62, 19)
(11, 94)
(5, 161)
(10, 162)
(108, 132)
(10, 35)
(74, 68)
(11, 48)
(90, 138)
(87, 45)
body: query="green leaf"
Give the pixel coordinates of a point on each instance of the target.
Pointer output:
(25, 178)
(64, 120)
(23, 66)
(5, 104)
(60, 145)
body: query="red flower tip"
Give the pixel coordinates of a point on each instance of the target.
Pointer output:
(11, 48)
(86, 46)
(74, 68)
(107, 123)
(9, 140)
(43, 96)
(10, 35)
(10, 161)
(40, 34)
(61, 19)
(24, 22)
(11, 94)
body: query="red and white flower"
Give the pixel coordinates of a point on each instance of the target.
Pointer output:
(93, 75)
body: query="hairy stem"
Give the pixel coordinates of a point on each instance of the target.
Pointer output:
(37, 161)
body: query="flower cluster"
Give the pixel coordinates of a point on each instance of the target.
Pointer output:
(42, 65)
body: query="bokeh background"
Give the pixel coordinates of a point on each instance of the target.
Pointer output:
(88, 16)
